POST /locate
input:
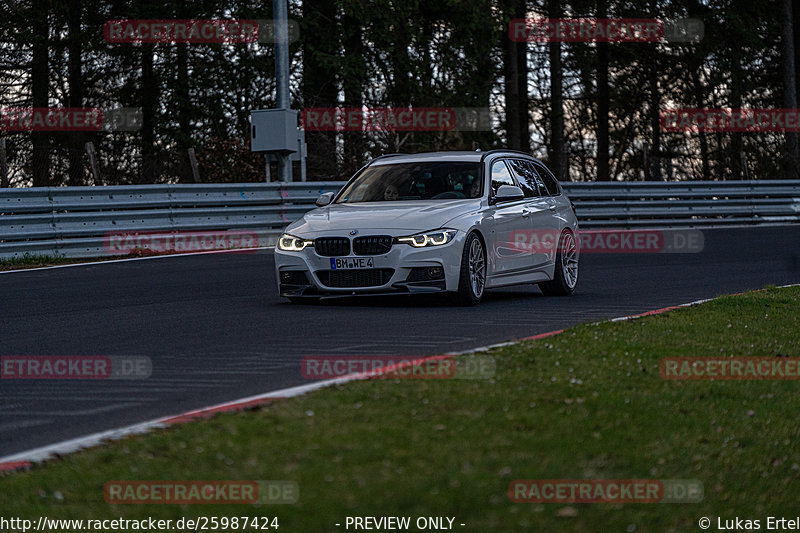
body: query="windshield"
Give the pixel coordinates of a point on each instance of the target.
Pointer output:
(439, 180)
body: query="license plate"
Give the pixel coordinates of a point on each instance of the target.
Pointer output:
(351, 263)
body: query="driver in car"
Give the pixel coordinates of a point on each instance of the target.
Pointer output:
(475, 188)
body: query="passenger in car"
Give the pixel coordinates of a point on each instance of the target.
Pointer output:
(391, 192)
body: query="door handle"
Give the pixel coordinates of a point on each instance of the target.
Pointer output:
(525, 213)
(552, 207)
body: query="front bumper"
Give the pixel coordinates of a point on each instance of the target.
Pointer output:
(403, 269)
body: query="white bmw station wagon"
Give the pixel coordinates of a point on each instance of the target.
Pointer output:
(449, 222)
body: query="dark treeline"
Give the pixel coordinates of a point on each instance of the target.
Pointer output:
(590, 110)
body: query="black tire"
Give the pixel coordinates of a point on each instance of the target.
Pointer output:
(563, 283)
(471, 288)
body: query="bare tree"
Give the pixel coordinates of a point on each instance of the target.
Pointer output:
(515, 82)
(320, 41)
(75, 76)
(40, 80)
(556, 155)
(789, 89)
(602, 101)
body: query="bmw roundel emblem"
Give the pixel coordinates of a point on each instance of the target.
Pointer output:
(354, 232)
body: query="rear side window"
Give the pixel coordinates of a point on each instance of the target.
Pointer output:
(526, 177)
(549, 180)
(500, 176)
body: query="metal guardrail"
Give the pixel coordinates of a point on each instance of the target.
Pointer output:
(690, 203)
(76, 221)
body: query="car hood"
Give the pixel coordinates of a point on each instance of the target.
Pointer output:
(396, 217)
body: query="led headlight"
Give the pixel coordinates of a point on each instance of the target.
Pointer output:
(429, 238)
(290, 243)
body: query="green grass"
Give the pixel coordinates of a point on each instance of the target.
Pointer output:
(588, 403)
(29, 260)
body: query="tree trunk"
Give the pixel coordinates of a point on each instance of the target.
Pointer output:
(319, 86)
(183, 137)
(40, 71)
(699, 99)
(557, 155)
(789, 89)
(77, 176)
(654, 172)
(353, 82)
(512, 74)
(485, 75)
(737, 141)
(602, 102)
(149, 102)
(522, 82)
(399, 91)
(796, 39)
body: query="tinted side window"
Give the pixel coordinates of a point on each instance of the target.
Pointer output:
(500, 176)
(525, 176)
(549, 180)
(542, 188)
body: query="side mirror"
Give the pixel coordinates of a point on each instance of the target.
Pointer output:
(324, 199)
(508, 193)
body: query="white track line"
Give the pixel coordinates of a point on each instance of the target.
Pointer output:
(50, 451)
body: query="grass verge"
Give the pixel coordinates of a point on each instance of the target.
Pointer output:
(588, 403)
(37, 261)
(29, 260)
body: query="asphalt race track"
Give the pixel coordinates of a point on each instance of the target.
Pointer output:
(215, 329)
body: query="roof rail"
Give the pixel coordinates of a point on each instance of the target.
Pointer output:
(502, 151)
(382, 156)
